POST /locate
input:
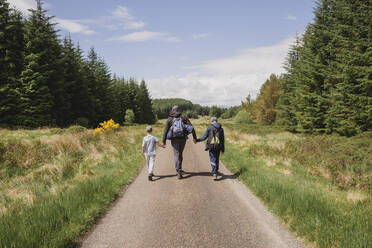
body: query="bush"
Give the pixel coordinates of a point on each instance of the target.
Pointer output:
(129, 117)
(82, 121)
(243, 117)
(191, 114)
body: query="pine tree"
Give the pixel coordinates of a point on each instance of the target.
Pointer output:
(11, 63)
(133, 100)
(77, 97)
(99, 80)
(311, 93)
(351, 87)
(145, 104)
(42, 86)
(329, 87)
(286, 102)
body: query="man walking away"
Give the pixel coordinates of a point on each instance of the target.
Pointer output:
(215, 144)
(176, 130)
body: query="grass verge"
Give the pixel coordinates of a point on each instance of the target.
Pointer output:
(55, 183)
(319, 186)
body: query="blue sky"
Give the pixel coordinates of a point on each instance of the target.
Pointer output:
(208, 51)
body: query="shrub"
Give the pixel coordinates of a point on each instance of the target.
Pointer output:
(243, 117)
(129, 117)
(82, 121)
(106, 126)
(191, 114)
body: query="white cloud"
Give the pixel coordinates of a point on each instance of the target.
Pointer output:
(122, 12)
(146, 36)
(291, 17)
(74, 26)
(134, 25)
(124, 18)
(23, 5)
(225, 81)
(200, 36)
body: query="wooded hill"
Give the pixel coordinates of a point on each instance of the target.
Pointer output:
(191, 110)
(48, 82)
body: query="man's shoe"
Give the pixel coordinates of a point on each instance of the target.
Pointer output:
(215, 176)
(150, 177)
(179, 175)
(181, 171)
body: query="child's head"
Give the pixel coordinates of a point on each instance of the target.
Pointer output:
(214, 120)
(149, 129)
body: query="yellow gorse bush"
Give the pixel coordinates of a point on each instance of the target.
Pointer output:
(106, 126)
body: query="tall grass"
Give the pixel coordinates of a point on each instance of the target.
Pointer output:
(320, 186)
(55, 182)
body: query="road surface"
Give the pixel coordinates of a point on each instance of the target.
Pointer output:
(195, 211)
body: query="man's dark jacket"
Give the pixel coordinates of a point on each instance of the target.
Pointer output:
(169, 123)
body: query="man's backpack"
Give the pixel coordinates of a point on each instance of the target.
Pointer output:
(178, 130)
(213, 142)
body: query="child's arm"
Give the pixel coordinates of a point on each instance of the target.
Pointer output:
(160, 145)
(205, 136)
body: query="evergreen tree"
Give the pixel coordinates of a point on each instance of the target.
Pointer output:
(351, 81)
(133, 100)
(286, 106)
(77, 97)
(327, 87)
(99, 81)
(145, 104)
(11, 63)
(42, 92)
(122, 94)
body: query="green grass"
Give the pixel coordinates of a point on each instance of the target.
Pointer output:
(295, 176)
(56, 182)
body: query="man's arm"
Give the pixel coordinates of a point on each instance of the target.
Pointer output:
(187, 121)
(167, 125)
(222, 138)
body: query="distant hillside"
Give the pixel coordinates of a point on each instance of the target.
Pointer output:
(191, 110)
(164, 106)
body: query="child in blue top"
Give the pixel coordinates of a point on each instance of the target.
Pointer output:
(215, 144)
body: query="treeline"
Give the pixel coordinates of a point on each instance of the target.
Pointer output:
(48, 82)
(191, 110)
(327, 87)
(328, 84)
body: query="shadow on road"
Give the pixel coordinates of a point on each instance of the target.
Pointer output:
(188, 174)
(158, 177)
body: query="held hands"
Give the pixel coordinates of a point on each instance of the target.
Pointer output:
(194, 140)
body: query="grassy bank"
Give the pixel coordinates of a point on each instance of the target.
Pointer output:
(319, 186)
(55, 182)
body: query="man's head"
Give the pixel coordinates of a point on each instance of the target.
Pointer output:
(214, 120)
(176, 109)
(149, 129)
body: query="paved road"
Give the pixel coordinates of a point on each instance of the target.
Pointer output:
(193, 212)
